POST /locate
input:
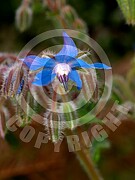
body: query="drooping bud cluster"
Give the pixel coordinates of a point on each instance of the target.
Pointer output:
(62, 15)
(8, 88)
(15, 81)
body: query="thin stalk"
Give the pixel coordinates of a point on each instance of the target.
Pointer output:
(83, 155)
(85, 159)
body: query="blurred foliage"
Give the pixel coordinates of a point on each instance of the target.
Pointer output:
(128, 9)
(118, 162)
(104, 22)
(123, 89)
(13, 141)
(97, 148)
(106, 25)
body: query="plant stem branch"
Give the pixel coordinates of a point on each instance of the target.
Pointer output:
(83, 155)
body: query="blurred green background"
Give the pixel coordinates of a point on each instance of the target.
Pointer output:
(104, 20)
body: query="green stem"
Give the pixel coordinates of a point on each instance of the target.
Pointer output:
(84, 154)
(85, 159)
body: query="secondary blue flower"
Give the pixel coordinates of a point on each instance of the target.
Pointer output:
(63, 65)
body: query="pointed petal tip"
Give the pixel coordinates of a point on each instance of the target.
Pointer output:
(109, 68)
(68, 51)
(100, 66)
(65, 34)
(106, 67)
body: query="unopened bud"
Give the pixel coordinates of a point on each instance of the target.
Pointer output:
(54, 126)
(79, 24)
(14, 81)
(68, 13)
(23, 17)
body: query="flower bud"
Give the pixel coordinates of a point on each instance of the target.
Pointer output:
(69, 14)
(14, 81)
(70, 115)
(54, 126)
(79, 24)
(23, 17)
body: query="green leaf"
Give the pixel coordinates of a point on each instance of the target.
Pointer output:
(12, 139)
(97, 147)
(128, 9)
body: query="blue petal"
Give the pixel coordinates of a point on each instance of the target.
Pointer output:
(74, 76)
(20, 87)
(44, 77)
(69, 50)
(100, 66)
(35, 62)
(78, 63)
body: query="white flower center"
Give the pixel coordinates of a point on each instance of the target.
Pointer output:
(62, 69)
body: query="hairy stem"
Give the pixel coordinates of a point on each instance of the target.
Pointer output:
(83, 155)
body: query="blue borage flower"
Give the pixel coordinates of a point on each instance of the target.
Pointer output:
(64, 65)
